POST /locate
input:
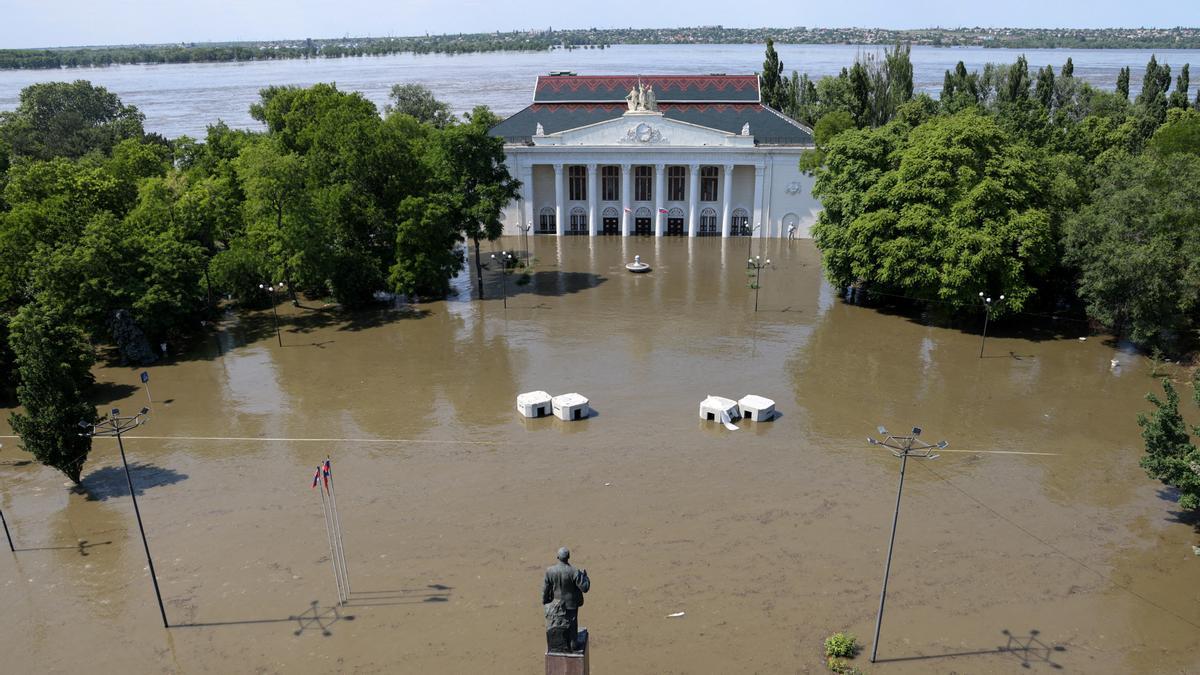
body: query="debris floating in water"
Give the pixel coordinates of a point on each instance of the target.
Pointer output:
(676, 615)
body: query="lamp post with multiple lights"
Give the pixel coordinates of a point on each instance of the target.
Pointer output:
(115, 425)
(988, 306)
(504, 258)
(902, 447)
(757, 264)
(271, 288)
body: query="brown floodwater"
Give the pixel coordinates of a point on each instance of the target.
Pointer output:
(768, 539)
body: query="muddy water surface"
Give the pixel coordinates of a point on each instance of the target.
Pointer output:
(768, 538)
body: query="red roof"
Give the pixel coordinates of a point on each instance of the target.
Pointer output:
(614, 88)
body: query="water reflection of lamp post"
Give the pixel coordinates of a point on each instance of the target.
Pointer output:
(503, 259)
(115, 425)
(987, 309)
(271, 289)
(757, 265)
(902, 447)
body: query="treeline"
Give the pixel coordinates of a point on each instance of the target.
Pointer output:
(1018, 38)
(1030, 184)
(111, 236)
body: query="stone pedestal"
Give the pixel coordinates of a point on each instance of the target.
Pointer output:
(570, 664)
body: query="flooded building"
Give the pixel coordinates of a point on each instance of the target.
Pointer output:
(681, 155)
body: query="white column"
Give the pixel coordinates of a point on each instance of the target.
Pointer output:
(693, 199)
(558, 199)
(759, 170)
(626, 214)
(592, 198)
(660, 171)
(726, 207)
(526, 217)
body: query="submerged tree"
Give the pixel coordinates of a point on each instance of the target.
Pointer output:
(53, 361)
(1170, 456)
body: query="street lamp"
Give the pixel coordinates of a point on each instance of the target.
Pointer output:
(988, 305)
(525, 232)
(902, 447)
(271, 288)
(757, 265)
(503, 259)
(115, 425)
(750, 237)
(6, 533)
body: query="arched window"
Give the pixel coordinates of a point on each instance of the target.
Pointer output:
(546, 221)
(739, 223)
(642, 212)
(708, 223)
(675, 213)
(611, 212)
(579, 220)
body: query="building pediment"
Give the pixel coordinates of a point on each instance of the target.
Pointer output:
(637, 129)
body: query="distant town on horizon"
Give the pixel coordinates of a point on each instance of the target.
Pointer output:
(596, 38)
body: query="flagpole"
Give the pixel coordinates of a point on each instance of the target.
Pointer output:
(337, 523)
(337, 577)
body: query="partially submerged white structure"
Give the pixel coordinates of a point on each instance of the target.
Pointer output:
(570, 407)
(719, 409)
(757, 408)
(534, 404)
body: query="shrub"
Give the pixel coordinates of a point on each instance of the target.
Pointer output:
(841, 645)
(841, 667)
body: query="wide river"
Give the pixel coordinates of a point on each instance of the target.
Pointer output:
(184, 99)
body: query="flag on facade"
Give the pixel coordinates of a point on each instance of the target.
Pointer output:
(662, 210)
(628, 210)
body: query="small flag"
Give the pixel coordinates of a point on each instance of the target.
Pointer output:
(628, 210)
(316, 477)
(326, 467)
(662, 210)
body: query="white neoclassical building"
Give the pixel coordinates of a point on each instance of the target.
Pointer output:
(656, 155)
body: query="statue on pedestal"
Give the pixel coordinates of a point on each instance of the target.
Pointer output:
(641, 99)
(562, 596)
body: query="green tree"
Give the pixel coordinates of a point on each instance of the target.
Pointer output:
(427, 256)
(53, 362)
(1123, 83)
(60, 119)
(1179, 97)
(1181, 133)
(1170, 456)
(1068, 69)
(418, 101)
(1153, 98)
(1136, 247)
(945, 211)
(825, 130)
(1044, 90)
(772, 87)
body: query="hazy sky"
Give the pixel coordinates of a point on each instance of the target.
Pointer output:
(46, 23)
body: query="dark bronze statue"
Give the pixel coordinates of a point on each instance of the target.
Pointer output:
(562, 596)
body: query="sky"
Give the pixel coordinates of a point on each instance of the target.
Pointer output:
(45, 23)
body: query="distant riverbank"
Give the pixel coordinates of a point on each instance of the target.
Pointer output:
(465, 43)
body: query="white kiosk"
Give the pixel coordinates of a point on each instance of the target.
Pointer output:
(719, 409)
(533, 404)
(757, 408)
(570, 407)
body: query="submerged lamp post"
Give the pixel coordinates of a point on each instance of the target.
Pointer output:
(757, 264)
(902, 447)
(6, 533)
(271, 288)
(988, 305)
(525, 233)
(115, 425)
(503, 259)
(750, 236)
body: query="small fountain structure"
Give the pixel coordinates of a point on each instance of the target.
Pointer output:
(637, 266)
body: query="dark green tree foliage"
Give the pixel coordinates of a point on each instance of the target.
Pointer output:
(1155, 85)
(1123, 83)
(1179, 97)
(825, 130)
(771, 85)
(1170, 456)
(860, 93)
(60, 119)
(1137, 249)
(53, 361)
(1044, 91)
(1068, 69)
(960, 89)
(940, 212)
(1016, 87)
(427, 256)
(1181, 133)
(418, 101)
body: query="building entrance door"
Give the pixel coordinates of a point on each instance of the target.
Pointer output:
(611, 226)
(675, 227)
(643, 226)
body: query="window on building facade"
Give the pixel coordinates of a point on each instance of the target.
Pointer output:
(708, 222)
(578, 220)
(577, 183)
(643, 176)
(546, 220)
(675, 177)
(610, 183)
(708, 183)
